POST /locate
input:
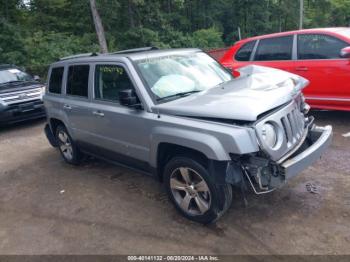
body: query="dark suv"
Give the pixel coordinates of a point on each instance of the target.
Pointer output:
(20, 95)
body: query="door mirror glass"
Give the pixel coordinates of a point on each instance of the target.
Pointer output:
(128, 98)
(345, 52)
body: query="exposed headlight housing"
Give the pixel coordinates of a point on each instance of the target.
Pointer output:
(269, 135)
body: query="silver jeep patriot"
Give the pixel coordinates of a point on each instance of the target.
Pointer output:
(179, 115)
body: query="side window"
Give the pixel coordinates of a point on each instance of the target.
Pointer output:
(109, 80)
(78, 80)
(55, 83)
(245, 51)
(278, 48)
(316, 46)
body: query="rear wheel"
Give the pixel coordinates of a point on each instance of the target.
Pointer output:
(67, 147)
(193, 191)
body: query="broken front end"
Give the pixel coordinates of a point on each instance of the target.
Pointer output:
(289, 142)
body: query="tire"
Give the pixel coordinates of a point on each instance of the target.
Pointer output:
(68, 149)
(193, 191)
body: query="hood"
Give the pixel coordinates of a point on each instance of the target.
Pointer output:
(257, 90)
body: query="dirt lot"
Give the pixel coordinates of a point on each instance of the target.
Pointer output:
(49, 207)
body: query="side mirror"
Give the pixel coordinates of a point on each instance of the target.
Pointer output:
(345, 52)
(37, 78)
(128, 98)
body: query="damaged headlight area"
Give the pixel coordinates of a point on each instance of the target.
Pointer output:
(262, 174)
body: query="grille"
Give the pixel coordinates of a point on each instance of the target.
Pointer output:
(293, 126)
(21, 96)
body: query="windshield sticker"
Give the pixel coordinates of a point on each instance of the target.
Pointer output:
(111, 69)
(14, 71)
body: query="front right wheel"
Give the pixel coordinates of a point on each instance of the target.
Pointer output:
(193, 191)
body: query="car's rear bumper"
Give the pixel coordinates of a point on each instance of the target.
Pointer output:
(321, 138)
(21, 112)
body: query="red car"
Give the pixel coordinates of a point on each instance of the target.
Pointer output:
(320, 55)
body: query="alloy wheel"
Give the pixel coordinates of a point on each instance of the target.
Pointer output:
(65, 145)
(190, 191)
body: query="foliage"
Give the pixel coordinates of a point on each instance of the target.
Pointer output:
(207, 38)
(37, 32)
(43, 48)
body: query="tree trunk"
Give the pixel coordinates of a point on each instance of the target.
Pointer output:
(99, 27)
(169, 6)
(131, 14)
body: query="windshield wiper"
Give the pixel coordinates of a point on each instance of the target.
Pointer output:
(181, 94)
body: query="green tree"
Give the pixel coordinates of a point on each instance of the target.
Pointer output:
(36, 34)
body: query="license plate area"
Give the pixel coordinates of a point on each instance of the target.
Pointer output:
(26, 107)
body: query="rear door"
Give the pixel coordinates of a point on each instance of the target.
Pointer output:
(77, 102)
(274, 52)
(319, 61)
(242, 57)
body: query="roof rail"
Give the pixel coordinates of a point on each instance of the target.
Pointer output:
(78, 56)
(135, 50)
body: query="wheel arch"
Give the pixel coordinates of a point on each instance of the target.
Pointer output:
(205, 144)
(167, 151)
(54, 123)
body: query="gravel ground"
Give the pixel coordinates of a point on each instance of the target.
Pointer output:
(49, 207)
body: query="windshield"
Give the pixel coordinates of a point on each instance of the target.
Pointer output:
(177, 75)
(13, 75)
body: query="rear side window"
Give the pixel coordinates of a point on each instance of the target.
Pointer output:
(55, 83)
(78, 80)
(109, 81)
(245, 51)
(318, 46)
(278, 48)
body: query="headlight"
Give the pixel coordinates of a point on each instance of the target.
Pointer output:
(269, 135)
(43, 89)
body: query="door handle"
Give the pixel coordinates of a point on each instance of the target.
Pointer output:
(98, 113)
(68, 107)
(302, 68)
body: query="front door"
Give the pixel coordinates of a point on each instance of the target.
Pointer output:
(120, 133)
(319, 61)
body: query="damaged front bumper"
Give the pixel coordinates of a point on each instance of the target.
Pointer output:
(265, 175)
(320, 138)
